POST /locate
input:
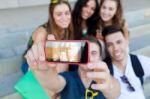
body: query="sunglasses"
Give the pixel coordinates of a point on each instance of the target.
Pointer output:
(90, 94)
(125, 80)
(56, 1)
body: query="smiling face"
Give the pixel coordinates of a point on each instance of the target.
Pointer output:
(89, 9)
(117, 46)
(62, 15)
(108, 10)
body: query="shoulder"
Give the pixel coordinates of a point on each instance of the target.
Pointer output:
(40, 34)
(124, 24)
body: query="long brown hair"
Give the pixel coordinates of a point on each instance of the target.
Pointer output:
(91, 22)
(51, 26)
(118, 17)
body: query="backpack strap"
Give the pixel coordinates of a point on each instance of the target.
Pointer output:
(137, 67)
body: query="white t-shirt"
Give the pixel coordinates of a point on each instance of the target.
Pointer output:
(133, 79)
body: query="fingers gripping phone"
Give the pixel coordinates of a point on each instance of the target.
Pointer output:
(67, 51)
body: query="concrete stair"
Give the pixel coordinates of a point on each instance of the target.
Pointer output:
(7, 83)
(9, 74)
(12, 96)
(143, 51)
(15, 34)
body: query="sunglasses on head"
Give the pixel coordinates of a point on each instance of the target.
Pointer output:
(56, 1)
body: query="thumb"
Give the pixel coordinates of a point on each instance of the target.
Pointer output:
(50, 37)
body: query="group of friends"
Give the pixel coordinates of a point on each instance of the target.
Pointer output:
(112, 72)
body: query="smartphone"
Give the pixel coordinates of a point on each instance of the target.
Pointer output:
(67, 51)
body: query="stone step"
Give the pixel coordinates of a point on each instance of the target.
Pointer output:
(143, 51)
(138, 23)
(139, 43)
(8, 82)
(10, 65)
(134, 16)
(139, 37)
(13, 44)
(12, 20)
(12, 40)
(12, 96)
(139, 30)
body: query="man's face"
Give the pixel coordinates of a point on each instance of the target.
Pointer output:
(94, 52)
(117, 46)
(94, 55)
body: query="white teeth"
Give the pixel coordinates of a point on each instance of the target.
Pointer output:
(105, 16)
(117, 54)
(85, 14)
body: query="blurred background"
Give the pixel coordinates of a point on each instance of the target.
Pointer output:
(19, 18)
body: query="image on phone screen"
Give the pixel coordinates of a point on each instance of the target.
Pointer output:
(67, 51)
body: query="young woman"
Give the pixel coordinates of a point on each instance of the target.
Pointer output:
(85, 16)
(58, 27)
(111, 12)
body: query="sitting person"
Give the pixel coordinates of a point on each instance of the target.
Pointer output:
(130, 70)
(58, 27)
(92, 80)
(111, 13)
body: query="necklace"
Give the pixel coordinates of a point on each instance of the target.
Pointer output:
(84, 31)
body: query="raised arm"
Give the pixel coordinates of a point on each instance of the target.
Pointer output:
(45, 73)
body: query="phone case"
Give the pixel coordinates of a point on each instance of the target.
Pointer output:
(66, 53)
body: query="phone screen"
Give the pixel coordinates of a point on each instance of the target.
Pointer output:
(67, 51)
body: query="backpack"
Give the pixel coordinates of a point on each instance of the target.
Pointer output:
(137, 67)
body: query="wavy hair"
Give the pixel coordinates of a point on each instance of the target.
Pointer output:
(77, 19)
(51, 26)
(118, 17)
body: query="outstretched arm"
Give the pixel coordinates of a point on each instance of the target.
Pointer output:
(45, 73)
